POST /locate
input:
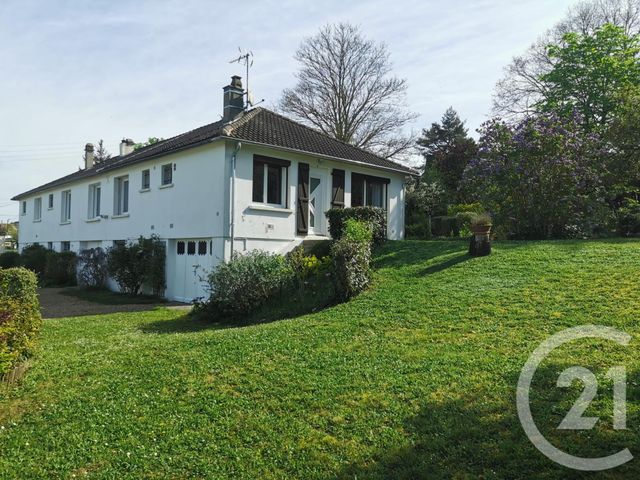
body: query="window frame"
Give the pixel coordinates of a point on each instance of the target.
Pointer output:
(65, 203)
(121, 196)
(23, 208)
(363, 182)
(169, 167)
(37, 209)
(50, 202)
(261, 168)
(95, 201)
(65, 246)
(145, 173)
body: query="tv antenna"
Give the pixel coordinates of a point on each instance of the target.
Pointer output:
(246, 58)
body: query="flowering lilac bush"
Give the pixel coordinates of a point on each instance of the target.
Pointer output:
(542, 178)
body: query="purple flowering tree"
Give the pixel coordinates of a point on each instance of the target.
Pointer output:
(541, 178)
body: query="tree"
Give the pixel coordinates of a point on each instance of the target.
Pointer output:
(590, 71)
(101, 153)
(521, 89)
(624, 138)
(542, 178)
(345, 90)
(447, 149)
(150, 141)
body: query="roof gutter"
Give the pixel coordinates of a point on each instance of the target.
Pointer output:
(326, 157)
(105, 169)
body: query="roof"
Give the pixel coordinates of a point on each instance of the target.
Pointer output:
(258, 125)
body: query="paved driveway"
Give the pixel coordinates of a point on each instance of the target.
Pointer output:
(54, 304)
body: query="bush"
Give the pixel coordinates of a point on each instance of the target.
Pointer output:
(20, 318)
(629, 218)
(246, 282)
(34, 258)
(93, 267)
(60, 269)
(377, 217)
(351, 256)
(445, 226)
(9, 259)
(133, 265)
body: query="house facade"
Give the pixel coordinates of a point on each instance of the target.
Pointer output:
(254, 180)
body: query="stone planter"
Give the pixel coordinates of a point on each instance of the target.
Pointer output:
(480, 242)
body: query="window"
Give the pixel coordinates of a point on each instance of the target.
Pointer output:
(65, 215)
(146, 179)
(368, 191)
(94, 201)
(121, 196)
(50, 201)
(50, 245)
(167, 174)
(37, 209)
(65, 246)
(191, 248)
(202, 247)
(270, 180)
(180, 248)
(119, 243)
(24, 208)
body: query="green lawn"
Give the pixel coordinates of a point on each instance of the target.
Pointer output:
(413, 379)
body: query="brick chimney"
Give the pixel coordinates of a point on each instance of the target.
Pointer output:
(126, 146)
(89, 160)
(233, 99)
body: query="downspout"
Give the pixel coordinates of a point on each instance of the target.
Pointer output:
(233, 194)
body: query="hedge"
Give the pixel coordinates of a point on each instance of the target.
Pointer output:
(9, 259)
(60, 269)
(377, 217)
(20, 319)
(351, 257)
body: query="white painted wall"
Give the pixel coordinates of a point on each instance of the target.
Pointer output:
(197, 206)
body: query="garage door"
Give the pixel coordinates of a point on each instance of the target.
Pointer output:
(193, 262)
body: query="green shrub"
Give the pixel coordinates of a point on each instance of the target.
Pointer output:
(60, 269)
(246, 282)
(135, 264)
(9, 259)
(20, 318)
(93, 267)
(351, 256)
(34, 258)
(377, 217)
(629, 218)
(476, 207)
(445, 226)
(303, 266)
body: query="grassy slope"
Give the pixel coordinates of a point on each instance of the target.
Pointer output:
(414, 379)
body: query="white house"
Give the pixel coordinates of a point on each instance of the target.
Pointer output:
(253, 180)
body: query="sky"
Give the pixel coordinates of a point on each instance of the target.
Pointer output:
(73, 72)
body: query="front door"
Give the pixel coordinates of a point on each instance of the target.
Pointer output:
(316, 202)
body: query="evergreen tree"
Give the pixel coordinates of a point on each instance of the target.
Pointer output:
(447, 149)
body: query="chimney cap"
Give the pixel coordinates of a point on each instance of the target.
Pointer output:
(236, 81)
(128, 141)
(88, 147)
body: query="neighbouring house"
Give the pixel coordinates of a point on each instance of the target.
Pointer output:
(253, 180)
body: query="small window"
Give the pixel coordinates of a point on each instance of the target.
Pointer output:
(180, 248)
(146, 179)
(94, 201)
(65, 246)
(65, 214)
(119, 243)
(37, 209)
(24, 208)
(191, 248)
(121, 196)
(50, 201)
(202, 247)
(50, 245)
(167, 174)
(268, 183)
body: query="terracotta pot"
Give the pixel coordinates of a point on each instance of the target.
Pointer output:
(481, 230)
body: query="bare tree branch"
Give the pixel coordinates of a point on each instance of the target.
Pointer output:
(344, 89)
